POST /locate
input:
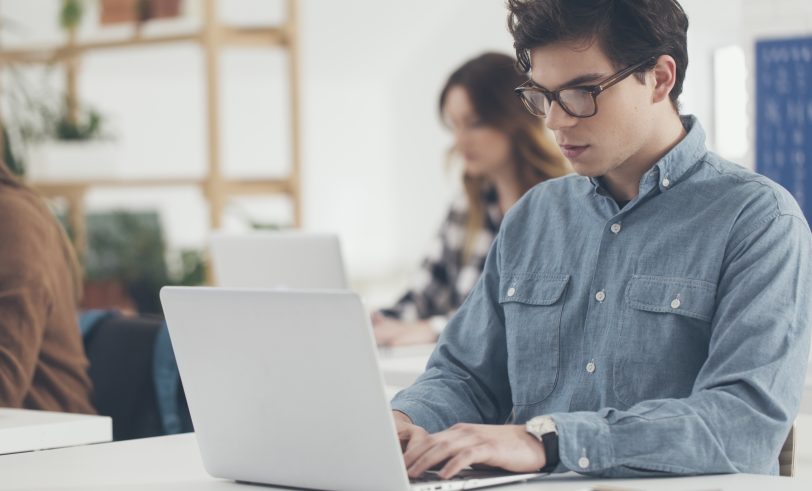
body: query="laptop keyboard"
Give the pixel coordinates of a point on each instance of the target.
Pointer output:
(431, 476)
(464, 475)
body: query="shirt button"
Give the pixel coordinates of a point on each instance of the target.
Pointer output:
(666, 182)
(590, 367)
(615, 228)
(511, 291)
(600, 296)
(675, 303)
(583, 462)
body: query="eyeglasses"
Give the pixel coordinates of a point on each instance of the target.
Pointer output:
(579, 102)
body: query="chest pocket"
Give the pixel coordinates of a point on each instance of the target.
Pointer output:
(663, 342)
(532, 304)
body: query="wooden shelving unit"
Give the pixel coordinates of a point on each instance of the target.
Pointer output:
(211, 37)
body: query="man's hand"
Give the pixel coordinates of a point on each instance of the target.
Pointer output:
(508, 447)
(392, 332)
(408, 433)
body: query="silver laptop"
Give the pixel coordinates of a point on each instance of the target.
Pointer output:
(289, 259)
(284, 389)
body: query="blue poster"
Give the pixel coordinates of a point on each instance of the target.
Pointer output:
(784, 115)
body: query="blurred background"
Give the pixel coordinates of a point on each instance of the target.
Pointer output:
(152, 123)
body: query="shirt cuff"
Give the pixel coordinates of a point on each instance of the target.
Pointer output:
(584, 442)
(419, 413)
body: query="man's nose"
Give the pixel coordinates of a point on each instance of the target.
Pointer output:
(558, 118)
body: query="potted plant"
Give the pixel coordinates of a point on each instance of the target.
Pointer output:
(53, 137)
(139, 11)
(125, 262)
(71, 149)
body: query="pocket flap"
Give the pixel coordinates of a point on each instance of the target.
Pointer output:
(681, 296)
(533, 288)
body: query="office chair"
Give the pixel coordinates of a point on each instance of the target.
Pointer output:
(128, 361)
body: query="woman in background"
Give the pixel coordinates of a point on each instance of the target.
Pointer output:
(42, 361)
(506, 151)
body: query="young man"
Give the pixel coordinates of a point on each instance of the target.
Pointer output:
(649, 315)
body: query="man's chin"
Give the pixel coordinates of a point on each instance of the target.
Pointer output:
(586, 170)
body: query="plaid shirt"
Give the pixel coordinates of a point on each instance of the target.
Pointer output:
(444, 279)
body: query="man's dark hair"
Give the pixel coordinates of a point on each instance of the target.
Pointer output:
(628, 31)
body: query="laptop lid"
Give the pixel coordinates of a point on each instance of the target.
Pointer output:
(284, 388)
(278, 259)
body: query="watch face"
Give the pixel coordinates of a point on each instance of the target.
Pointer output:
(541, 425)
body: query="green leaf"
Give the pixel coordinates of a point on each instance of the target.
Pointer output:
(71, 14)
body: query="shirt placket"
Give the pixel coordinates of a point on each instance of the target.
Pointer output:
(602, 304)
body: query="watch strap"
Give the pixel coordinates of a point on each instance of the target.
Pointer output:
(550, 441)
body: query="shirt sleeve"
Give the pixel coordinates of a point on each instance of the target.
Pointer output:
(432, 293)
(466, 378)
(747, 393)
(24, 303)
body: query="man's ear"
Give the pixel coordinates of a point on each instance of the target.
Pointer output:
(665, 76)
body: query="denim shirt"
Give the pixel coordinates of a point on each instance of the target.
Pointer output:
(669, 336)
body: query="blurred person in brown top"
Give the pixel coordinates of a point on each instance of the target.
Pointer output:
(42, 360)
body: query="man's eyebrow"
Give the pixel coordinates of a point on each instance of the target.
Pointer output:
(579, 80)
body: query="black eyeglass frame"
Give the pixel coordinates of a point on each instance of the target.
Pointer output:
(593, 90)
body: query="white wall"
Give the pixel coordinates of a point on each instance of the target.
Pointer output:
(712, 25)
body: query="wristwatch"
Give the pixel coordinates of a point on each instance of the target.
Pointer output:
(544, 430)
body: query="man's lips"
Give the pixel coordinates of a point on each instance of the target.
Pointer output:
(572, 151)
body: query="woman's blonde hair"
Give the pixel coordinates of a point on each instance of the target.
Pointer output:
(8, 179)
(489, 80)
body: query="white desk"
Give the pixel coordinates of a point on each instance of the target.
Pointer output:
(402, 366)
(23, 430)
(173, 463)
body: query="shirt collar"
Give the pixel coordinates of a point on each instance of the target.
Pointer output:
(671, 169)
